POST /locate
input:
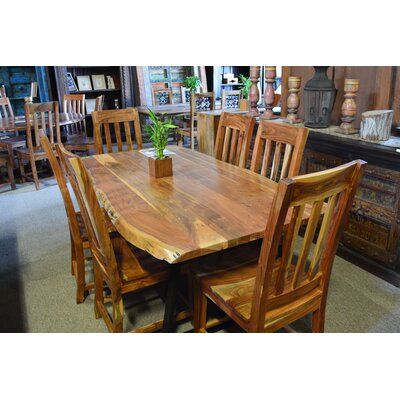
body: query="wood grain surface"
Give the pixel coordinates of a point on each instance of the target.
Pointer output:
(206, 206)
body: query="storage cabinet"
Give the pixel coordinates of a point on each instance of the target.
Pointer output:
(17, 82)
(372, 236)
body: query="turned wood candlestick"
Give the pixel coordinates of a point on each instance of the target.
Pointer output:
(269, 93)
(254, 95)
(293, 100)
(349, 106)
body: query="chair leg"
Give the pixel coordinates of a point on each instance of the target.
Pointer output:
(21, 168)
(98, 292)
(191, 141)
(35, 174)
(118, 311)
(199, 309)
(80, 276)
(11, 176)
(318, 320)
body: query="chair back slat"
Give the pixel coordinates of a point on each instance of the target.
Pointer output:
(75, 104)
(102, 121)
(6, 110)
(278, 150)
(43, 116)
(99, 104)
(232, 143)
(326, 195)
(62, 184)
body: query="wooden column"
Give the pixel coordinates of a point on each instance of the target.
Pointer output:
(254, 95)
(269, 93)
(293, 100)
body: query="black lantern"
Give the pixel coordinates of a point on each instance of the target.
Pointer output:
(319, 96)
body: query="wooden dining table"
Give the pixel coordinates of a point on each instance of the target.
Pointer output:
(168, 109)
(205, 207)
(18, 123)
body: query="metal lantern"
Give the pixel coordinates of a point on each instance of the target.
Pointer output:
(319, 96)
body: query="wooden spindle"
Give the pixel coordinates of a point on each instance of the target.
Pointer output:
(269, 93)
(254, 95)
(349, 106)
(293, 100)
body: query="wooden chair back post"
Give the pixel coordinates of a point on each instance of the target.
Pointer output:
(104, 120)
(101, 245)
(62, 184)
(43, 116)
(75, 104)
(290, 281)
(99, 105)
(231, 99)
(162, 96)
(273, 141)
(232, 144)
(6, 110)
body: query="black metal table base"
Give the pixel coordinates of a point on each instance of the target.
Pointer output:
(169, 324)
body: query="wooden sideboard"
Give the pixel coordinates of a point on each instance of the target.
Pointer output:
(372, 237)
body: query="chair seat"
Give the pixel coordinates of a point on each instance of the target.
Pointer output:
(232, 284)
(38, 152)
(79, 139)
(135, 264)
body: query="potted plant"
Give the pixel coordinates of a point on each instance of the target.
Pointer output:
(159, 130)
(245, 90)
(192, 83)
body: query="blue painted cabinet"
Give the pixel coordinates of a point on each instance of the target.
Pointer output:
(17, 81)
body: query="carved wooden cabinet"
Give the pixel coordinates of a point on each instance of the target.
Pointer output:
(371, 239)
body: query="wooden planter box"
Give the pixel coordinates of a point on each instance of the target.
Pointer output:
(160, 168)
(244, 104)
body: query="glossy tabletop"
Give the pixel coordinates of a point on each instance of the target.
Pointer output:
(168, 109)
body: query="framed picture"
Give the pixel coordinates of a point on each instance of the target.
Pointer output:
(84, 82)
(110, 82)
(99, 82)
(90, 105)
(71, 83)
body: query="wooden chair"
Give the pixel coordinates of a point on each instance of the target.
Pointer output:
(234, 133)
(122, 268)
(6, 110)
(268, 294)
(77, 139)
(198, 102)
(273, 141)
(38, 116)
(77, 230)
(162, 97)
(185, 94)
(7, 160)
(99, 104)
(104, 120)
(231, 99)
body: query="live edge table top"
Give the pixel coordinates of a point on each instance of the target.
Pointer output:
(206, 206)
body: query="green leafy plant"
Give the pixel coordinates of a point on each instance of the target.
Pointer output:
(192, 83)
(246, 85)
(159, 131)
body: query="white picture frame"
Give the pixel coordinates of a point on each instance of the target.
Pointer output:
(90, 105)
(71, 83)
(84, 83)
(110, 82)
(99, 82)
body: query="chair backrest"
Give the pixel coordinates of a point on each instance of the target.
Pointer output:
(62, 184)
(43, 116)
(234, 133)
(280, 282)
(101, 245)
(106, 119)
(231, 99)
(99, 105)
(6, 110)
(278, 150)
(200, 102)
(162, 97)
(74, 104)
